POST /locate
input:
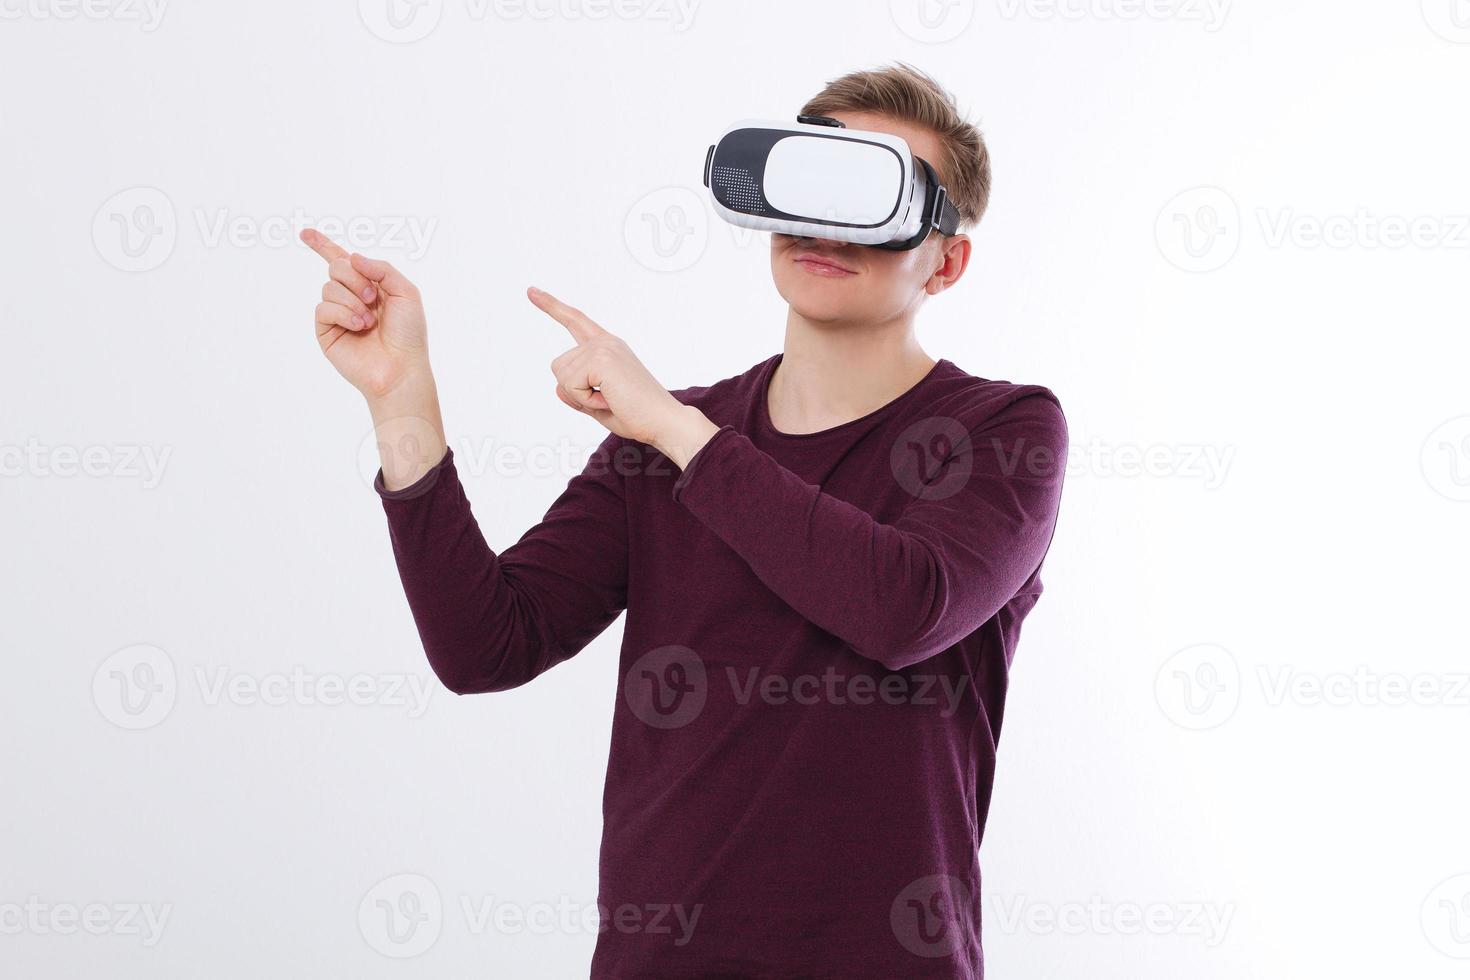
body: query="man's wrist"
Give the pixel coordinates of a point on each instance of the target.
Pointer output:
(409, 394)
(687, 432)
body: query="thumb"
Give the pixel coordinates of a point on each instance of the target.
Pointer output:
(394, 283)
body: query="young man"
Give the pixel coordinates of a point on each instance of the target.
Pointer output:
(824, 561)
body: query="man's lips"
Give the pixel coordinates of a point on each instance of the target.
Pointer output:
(822, 265)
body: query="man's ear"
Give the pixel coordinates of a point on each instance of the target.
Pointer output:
(954, 257)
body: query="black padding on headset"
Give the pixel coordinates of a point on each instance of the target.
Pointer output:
(939, 212)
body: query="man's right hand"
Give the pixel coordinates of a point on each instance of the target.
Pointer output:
(370, 324)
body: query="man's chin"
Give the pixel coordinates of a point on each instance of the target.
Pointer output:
(822, 310)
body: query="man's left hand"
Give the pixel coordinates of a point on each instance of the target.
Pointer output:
(603, 378)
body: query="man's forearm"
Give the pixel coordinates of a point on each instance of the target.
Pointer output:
(900, 590)
(409, 430)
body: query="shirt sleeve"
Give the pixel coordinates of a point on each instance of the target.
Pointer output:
(901, 592)
(491, 621)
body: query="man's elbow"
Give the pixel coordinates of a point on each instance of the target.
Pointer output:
(458, 683)
(480, 675)
(912, 640)
(456, 679)
(901, 649)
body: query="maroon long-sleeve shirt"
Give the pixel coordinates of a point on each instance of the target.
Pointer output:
(814, 664)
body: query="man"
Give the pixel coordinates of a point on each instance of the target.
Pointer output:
(824, 561)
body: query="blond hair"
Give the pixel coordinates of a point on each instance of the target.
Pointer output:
(904, 92)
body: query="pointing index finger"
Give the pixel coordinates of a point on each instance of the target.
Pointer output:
(578, 324)
(322, 245)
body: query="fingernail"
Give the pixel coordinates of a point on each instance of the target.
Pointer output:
(534, 291)
(368, 294)
(357, 321)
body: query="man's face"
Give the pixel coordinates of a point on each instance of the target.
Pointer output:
(840, 283)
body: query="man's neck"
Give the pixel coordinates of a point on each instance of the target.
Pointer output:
(831, 374)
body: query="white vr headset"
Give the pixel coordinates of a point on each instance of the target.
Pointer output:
(816, 178)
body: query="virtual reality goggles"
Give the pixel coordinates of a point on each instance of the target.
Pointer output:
(816, 178)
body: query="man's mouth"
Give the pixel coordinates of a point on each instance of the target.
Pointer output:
(822, 265)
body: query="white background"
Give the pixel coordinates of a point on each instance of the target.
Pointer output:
(1205, 723)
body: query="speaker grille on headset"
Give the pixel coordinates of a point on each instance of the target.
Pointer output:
(738, 190)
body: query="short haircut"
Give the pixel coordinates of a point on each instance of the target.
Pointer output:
(904, 92)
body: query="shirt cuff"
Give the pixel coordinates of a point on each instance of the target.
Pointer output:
(420, 486)
(711, 448)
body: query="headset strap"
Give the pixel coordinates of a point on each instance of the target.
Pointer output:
(946, 216)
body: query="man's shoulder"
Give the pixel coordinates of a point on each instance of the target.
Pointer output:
(978, 401)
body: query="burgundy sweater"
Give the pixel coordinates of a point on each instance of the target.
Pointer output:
(814, 665)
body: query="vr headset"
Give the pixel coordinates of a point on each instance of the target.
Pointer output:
(816, 178)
